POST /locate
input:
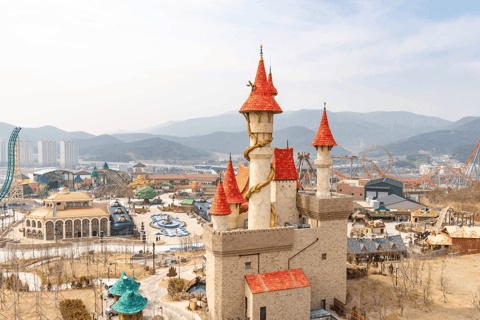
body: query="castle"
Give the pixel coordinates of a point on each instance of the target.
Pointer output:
(286, 254)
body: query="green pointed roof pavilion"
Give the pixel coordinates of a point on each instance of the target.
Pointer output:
(105, 165)
(123, 285)
(130, 303)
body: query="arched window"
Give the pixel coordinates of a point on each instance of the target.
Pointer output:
(49, 225)
(39, 234)
(27, 223)
(39, 224)
(69, 204)
(85, 204)
(34, 224)
(78, 204)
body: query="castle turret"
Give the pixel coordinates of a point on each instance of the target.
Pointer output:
(220, 209)
(234, 197)
(284, 186)
(258, 111)
(270, 82)
(323, 142)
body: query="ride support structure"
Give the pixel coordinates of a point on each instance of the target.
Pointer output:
(12, 189)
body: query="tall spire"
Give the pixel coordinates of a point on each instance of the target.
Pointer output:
(270, 82)
(261, 98)
(220, 205)
(324, 136)
(231, 187)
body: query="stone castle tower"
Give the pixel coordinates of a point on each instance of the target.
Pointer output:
(270, 268)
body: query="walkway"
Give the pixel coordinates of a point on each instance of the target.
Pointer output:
(174, 310)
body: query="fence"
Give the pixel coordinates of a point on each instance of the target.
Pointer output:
(338, 307)
(357, 315)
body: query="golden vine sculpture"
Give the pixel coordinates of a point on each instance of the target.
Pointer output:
(256, 188)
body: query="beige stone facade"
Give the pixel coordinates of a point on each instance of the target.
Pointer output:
(320, 252)
(283, 197)
(323, 163)
(282, 304)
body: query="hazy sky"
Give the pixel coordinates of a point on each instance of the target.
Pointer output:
(102, 66)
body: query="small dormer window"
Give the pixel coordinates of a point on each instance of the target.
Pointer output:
(85, 204)
(78, 204)
(69, 204)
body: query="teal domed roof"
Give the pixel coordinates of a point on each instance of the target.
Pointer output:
(130, 303)
(123, 285)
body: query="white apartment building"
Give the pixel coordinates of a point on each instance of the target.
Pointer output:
(26, 153)
(68, 153)
(47, 153)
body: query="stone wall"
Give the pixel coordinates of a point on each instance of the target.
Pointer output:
(321, 254)
(282, 304)
(285, 201)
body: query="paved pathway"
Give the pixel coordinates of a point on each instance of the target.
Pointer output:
(174, 310)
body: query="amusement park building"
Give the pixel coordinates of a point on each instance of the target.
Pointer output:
(383, 187)
(69, 214)
(295, 248)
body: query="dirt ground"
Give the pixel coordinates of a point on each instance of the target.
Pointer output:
(382, 300)
(116, 263)
(27, 304)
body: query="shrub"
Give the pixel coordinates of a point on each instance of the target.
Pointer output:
(74, 309)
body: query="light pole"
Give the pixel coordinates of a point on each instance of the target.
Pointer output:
(160, 307)
(153, 257)
(93, 314)
(101, 282)
(396, 272)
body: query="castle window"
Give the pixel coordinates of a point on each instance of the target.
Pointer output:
(85, 204)
(69, 204)
(324, 256)
(78, 204)
(263, 313)
(248, 265)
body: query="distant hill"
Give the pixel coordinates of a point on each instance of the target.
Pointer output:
(42, 133)
(150, 149)
(461, 122)
(132, 137)
(444, 141)
(86, 144)
(353, 130)
(299, 138)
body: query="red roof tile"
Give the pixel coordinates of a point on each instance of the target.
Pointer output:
(299, 186)
(243, 177)
(220, 205)
(274, 281)
(270, 82)
(244, 207)
(261, 98)
(324, 136)
(230, 185)
(284, 164)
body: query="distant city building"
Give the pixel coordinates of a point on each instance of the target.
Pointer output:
(26, 153)
(47, 153)
(69, 153)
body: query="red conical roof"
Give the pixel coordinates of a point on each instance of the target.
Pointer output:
(270, 82)
(324, 136)
(220, 204)
(231, 187)
(261, 98)
(284, 164)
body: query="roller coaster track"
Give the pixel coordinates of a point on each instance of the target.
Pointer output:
(11, 163)
(462, 173)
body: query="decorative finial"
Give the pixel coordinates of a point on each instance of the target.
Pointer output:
(230, 156)
(287, 143)
(261, 52)
(324, 106)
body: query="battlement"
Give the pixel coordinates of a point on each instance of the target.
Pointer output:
(245, 242)
(337, 207)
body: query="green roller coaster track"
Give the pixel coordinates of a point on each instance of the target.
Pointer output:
(11, 163)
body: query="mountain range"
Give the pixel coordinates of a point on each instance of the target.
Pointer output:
(402, 133)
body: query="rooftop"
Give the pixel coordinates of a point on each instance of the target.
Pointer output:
(261, 98)
(393, 244)
(386, 180)
(284, 164)
(220, 205)
(231, 187)
(274, 281)
(324, 136)
(65, 194)
(243, 176)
